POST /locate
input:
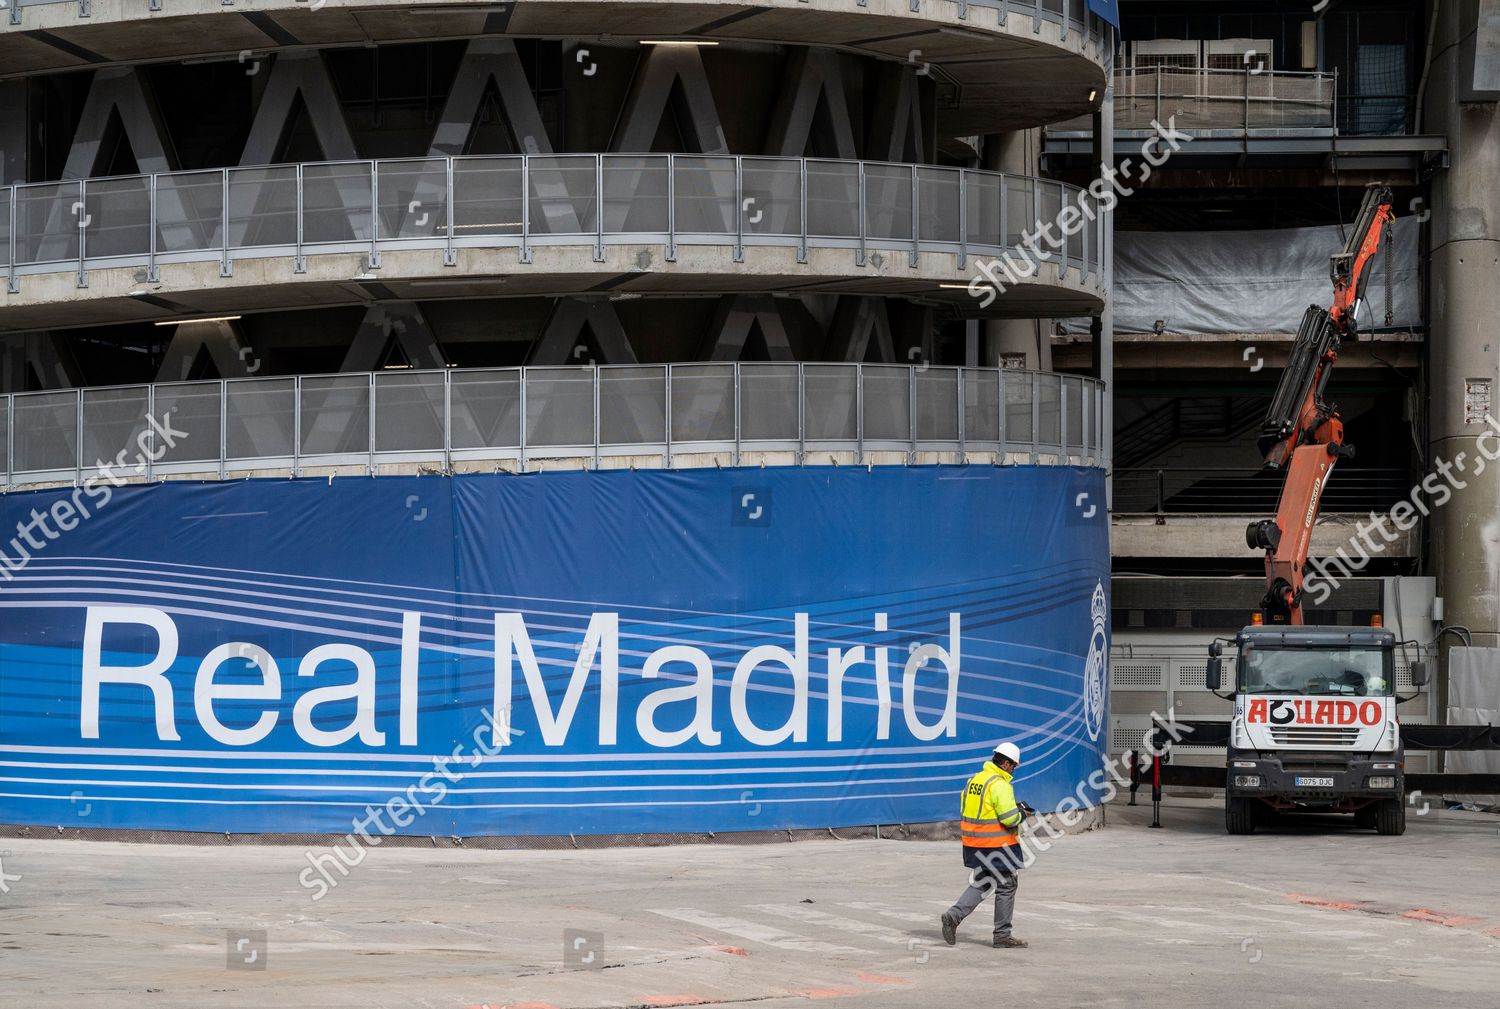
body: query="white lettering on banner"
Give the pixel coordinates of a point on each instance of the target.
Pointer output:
(95, 672)
(206, 691)
(600, 648)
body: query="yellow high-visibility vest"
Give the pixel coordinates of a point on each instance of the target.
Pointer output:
(990, 817)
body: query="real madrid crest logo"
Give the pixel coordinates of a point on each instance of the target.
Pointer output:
(1096, 665)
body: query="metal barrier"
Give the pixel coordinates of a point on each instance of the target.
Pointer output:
(524, 202)
(1248, 491)
(650, 412)
(1228, 102)
(1072, 16)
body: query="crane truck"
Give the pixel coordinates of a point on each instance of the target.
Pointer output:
(1315, 724)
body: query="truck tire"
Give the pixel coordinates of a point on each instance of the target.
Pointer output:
(1390, 817)
(1239, 815)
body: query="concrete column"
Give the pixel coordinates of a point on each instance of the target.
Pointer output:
(1465, 330)
(1018, 153)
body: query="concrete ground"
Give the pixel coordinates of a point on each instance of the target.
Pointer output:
(1315, 913)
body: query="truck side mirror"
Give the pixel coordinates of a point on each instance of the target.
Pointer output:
(1419, 673)
(1214, 675)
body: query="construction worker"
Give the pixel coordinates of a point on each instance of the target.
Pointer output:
(991, 826)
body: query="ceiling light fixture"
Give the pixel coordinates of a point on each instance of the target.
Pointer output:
(184, 322)
(676, 42)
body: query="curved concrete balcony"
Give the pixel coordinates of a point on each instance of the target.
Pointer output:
(518, 419)
(186, 244)
(1016, 63)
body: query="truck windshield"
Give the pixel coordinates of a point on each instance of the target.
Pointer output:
(1344, 670)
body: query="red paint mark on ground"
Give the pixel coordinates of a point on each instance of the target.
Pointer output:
(1494, 933)
(731, 950)
(1441, 917)
(831, 992)
(1303, 898)
(882, 978)
(670, 1000)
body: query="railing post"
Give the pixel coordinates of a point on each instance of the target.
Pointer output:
(860, 256)
(296, 425)
(78, 433)
(1062, 262)
(963, 218)
(598, 215)
(916, 221)
(370, 412)
(83, 220)
(802, 196)
(223, 428)
(671, 208)
(911, 413)
(374, 217)
(1085, 435)
(1036, 413)
(448, 418)
(1062, 420)
(450, 258)
(13, 287)
(1161, 496)
(739, 210)
(598, 374)
(152, 275)
(1001, 186)
(963, 451)
(801, 412)
(521, 419)
(737, 422)
(1000, 415)
(668, 411)
(859, 412)
(299, 260)
(10, 440)
(1247, 100)
(225, 267)
(1158, 92)
(150, 431)
(525, 211)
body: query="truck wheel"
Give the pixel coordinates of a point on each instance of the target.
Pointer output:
(1239, 815)
(1390, 817)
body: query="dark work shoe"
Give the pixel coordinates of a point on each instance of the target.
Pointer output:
(950, 928)
(1011, 942)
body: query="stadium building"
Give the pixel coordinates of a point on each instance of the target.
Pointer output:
(594, 418)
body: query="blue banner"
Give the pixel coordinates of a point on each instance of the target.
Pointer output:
(1109, 10)
(571, 652)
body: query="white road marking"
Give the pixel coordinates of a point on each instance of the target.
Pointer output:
(826, 920)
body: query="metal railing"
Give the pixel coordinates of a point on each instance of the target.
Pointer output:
(651, 413)
(1071, 16)
(1249, 491)
(1224, 102)
(523, 202)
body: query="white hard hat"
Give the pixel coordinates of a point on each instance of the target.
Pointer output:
(1009, 751)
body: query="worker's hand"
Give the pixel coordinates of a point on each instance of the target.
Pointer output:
(1026, 811)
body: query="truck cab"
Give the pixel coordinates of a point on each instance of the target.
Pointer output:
(1314, 726)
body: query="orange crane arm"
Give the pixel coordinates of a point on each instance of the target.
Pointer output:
(1302, 433)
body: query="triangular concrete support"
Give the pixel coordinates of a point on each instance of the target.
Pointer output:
(400, 322)
(46, 355)
(670, 79)
(563, 342)
(736, 314)
(812, 106)
(225, 344)
(861, 332)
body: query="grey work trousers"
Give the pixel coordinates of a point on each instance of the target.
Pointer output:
(1004, 886)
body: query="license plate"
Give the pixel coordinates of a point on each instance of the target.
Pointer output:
(1303, 782)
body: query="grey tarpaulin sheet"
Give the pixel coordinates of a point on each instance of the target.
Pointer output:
(1249, 281)
(1474, 699)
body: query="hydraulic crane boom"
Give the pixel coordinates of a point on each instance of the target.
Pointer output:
(1302, 433)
